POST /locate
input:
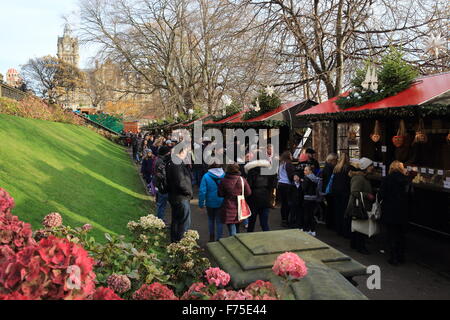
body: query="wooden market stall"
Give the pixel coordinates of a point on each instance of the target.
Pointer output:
(283, 118)
(412, 126)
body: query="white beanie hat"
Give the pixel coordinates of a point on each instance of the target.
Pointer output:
(364, 163)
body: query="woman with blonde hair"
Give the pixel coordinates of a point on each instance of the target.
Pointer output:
(395, 191)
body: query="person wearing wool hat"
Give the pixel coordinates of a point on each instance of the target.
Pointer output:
(365, 163)
(359, 183)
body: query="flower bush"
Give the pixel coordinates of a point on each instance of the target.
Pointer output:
(290, 266)
(149, 233)
(61, 262)
(52, 269)
(184, 263)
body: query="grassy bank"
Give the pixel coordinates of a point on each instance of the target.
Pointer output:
(55, 167)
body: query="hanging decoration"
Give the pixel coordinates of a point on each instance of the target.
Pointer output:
(376, 134)
(434, 44)
(270, 90)
(399, 139)
(421, 136)
(257, 108)
(371, 80)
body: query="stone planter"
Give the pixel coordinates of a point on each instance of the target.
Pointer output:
(248, 257)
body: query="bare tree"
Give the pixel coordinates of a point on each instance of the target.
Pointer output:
(190, 51)
(52, 78)
(321, 42)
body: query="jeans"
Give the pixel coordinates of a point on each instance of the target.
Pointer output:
(161, 203)
(232, 229)
(215, 226)
(283, 190)
(197, 173)
(263, 214)
(181, 219)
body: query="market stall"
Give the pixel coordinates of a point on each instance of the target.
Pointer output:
(412, 126)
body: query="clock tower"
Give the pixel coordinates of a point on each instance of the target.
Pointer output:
(68, 47)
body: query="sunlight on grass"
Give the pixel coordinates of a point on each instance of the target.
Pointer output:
(55, 167)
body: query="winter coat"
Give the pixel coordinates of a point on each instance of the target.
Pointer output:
(311, 185)
(290, 170)
(148, 167)
(209, 187)
(394, 193)
(359, 183)
(179, 182)
(229, 189)
(262, 186)
(296, 195)
(326, 175)
(341, 182)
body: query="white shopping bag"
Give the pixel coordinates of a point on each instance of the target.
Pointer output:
(368, 227)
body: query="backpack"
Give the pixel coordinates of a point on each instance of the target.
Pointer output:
(160, 177)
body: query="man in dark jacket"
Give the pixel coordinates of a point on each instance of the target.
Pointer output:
(262, 187)
(180, 194)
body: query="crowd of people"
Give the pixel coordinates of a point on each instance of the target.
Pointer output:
(307, 193)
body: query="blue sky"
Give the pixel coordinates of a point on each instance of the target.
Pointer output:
(30, 29)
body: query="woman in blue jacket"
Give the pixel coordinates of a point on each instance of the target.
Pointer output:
(208, 198)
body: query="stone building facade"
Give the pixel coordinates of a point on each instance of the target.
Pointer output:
(68, 49)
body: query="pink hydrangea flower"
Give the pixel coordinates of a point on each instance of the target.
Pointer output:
(195, 291)
(103, 293)
(52, 220)
(119, 283)
(217, 276)
(6, 201)
(233, 295)
(262, 290)
(155, 291)
(86, 227)
(290, 266)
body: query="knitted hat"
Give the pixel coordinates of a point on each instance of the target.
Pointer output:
(364, 163)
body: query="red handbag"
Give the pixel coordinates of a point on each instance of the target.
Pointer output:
(243, 208)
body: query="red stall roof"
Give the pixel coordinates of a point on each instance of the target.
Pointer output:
(424, 90)
(267, 115)
(191, 122)
(227, 119)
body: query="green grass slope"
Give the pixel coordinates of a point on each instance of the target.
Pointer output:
(54, 167)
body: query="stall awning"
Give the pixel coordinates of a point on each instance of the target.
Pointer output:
(268, 115)
(192, 122)
(423, 91)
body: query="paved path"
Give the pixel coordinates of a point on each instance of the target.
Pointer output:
(425, 275)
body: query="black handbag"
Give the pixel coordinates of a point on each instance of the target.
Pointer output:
(356, 209)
